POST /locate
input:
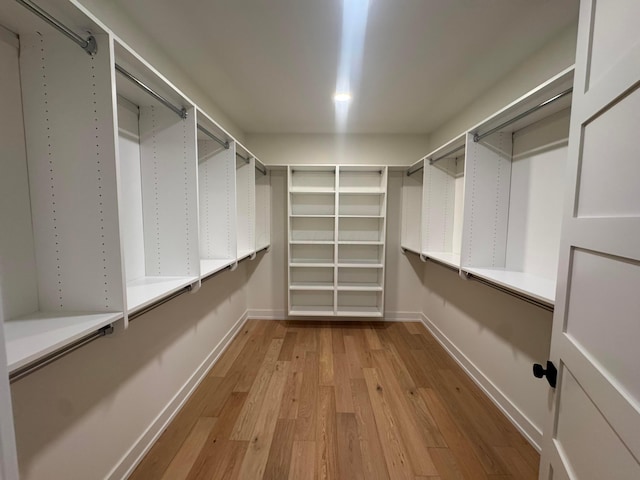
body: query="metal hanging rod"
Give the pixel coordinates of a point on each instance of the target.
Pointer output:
(180, 111)
(247, 160)
(445, 155)
(224, 144)
(524, 298)
(260, 167)
(53, 356)
(412, 170)
(479, 136)
(88, 44)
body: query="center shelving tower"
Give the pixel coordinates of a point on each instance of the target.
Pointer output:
(337, 230)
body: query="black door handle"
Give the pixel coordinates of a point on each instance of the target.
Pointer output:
(551, 373)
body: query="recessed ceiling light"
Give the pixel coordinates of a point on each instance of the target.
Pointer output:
(342, 97)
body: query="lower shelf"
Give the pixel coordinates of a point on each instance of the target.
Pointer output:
(33, 336)
(311, 310)
(448, 258)
(209, 266)
(147, 290)
(538, 288)
(359, 311)
(242, 254)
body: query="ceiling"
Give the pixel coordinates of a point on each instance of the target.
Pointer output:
(271, 65)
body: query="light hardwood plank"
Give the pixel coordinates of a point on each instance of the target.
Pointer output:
(249, 416)
(325, 357)
(374, 464)
(279, 461)
(457, 442)
(393, 447)
(326, 440)
(344, 399)
(349, 453)
(306, 421)
(303, 461)
(255, 460)
(182, 463)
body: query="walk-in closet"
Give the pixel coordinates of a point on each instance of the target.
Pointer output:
(355, 239)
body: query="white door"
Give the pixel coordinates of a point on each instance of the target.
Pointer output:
(593, 431)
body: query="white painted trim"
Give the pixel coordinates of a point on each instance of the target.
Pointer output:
(139, 449)
(267, 314)
(532, 433)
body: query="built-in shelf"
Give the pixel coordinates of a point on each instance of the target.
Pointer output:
(349, 245)
(447, 258)
(145, 291)
(209, 266)
(361, 264)
(489, 202)
(362, 191)
(311, 286)
(539, 288)
(33, 336)
(312, 190)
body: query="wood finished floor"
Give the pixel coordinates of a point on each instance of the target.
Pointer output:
(291, 400)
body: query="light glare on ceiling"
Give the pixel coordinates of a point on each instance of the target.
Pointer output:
(342, 97)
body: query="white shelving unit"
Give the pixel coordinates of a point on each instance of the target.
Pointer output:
(60, 259)
(411, 222)
(158, 185)
(336, 224)
(442, 203)
(263, 207)
(514, 191)
(99, 181)
(217, 199)
(488, 202)
(245, 202)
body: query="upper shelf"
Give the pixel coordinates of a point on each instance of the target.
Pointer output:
(554, 87)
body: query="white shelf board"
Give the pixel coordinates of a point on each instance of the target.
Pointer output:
(312, 263)
(209, 266)
(360, 242)
(357, 288)
(360, 216)
(247, 252)
(311, 286)
(264, 246)
(312, 216)
(358, 312)
(360, 265)
(35, 335)
(147, 290)
(311, 310)
(448, 258)
(313, 190)
(312, 242)
(410, 249)
(361, 191)
(541, 289)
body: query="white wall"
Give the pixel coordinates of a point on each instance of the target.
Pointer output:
(556, 55)
(268, 282)
(496, 336)
(294, 149)
(79, 417)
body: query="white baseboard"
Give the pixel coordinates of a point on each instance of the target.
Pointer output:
(513, 413)
(265, 314)
(144, 443)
